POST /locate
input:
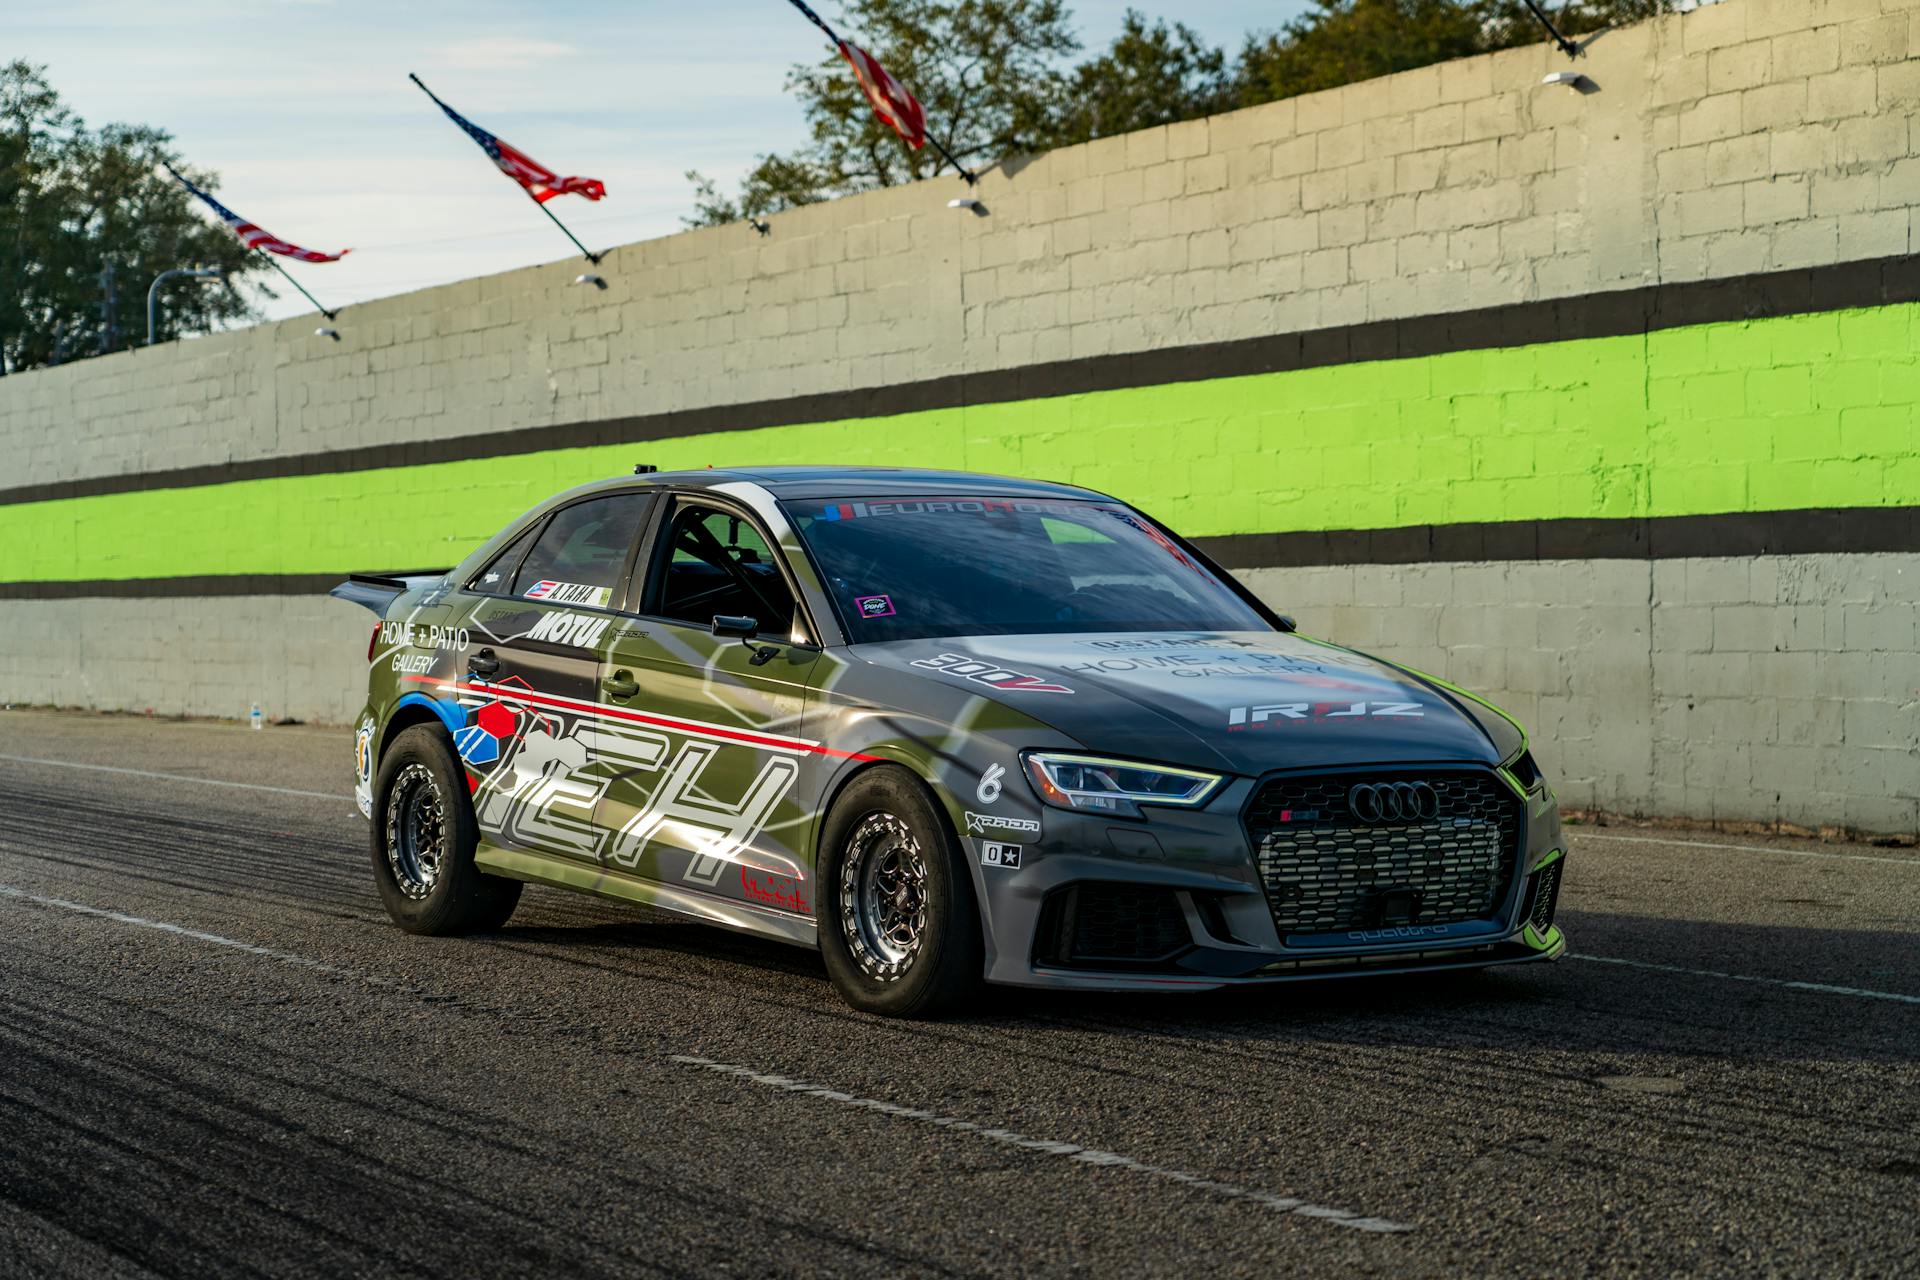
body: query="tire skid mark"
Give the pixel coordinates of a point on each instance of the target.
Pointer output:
(1083, 1155)
(1045, 1146)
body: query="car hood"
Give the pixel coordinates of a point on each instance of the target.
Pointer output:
(1246, 702)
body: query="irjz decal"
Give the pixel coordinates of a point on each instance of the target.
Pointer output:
(981, 823)
(989, 789)
(1319, 713)
(568, 593)
(995, 854)
(581, 630)
(987, 673)
(874, 606)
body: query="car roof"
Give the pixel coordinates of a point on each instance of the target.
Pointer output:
(854, 482)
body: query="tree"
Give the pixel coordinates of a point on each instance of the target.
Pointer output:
(988, 73)
(75, 202)
(985, 70)
(1343, 41)
(1150, 76)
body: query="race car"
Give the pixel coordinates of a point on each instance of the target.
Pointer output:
(948, 729)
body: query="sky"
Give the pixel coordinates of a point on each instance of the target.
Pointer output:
(304, 109)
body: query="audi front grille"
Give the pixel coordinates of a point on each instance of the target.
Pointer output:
(1435, 848)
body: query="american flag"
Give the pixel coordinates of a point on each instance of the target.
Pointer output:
(542, 183)
(889, 97)
(252, 234)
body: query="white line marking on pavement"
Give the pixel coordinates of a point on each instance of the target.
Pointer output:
(1577, 834)
(198, 935)
(1823, 988)
(1069, 1150)
(179, 777)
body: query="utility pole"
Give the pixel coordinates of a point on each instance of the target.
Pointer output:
(109, 330)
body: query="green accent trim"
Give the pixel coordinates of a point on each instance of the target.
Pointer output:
(1553, 856)
(1553, 942)
(1803, 411)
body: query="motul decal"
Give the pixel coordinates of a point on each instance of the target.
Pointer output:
(989, 674)
(581, 630)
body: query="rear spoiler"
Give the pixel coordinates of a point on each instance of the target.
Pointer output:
(375, 591)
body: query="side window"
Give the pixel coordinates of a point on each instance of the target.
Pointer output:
(581, 552)
(497, 578)
(712, 564)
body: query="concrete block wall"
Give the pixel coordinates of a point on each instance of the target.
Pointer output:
(1452, 187)
(1452, 304)
(1778, 688)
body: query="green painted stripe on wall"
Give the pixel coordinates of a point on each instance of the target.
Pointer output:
(1818, 410)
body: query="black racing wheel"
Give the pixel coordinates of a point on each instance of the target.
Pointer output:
(899, 926)
(424, 834)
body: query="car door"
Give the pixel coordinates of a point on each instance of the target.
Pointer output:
(544, 617)
(702, 733)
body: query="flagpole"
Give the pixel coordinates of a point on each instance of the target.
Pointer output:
(296, 284)
(939, 146)
(594, 258)
(590, 256)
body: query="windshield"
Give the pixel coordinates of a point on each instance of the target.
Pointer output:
(912, 568)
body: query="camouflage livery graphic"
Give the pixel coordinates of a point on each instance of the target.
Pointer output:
(665, 688)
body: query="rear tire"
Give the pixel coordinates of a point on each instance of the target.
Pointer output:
(423, 839)
(899, 925)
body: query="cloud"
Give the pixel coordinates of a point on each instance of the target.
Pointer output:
(500, 53)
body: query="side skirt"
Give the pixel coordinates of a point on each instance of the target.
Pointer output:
(607, 882)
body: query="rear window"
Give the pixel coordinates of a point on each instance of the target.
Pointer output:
(913, 568)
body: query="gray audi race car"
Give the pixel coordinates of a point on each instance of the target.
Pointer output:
(947, 728)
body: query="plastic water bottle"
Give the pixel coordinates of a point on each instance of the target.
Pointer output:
(256, 719)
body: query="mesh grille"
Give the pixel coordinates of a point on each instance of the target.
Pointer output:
(1120, 922)
(1546, 896)
(1324, 871)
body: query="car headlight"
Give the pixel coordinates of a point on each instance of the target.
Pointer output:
(1091, 784)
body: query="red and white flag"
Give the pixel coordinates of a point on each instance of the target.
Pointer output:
(253, 235)
(542, 183)
(889, 97)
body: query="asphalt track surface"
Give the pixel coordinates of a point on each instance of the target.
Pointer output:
(217, 1058)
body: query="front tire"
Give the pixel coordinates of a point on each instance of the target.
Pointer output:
(424, 835)
(899, 926)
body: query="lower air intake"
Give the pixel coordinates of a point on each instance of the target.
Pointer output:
(1099, 924)
(1546, 896)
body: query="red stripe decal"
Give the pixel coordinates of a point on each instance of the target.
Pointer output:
(636, 717)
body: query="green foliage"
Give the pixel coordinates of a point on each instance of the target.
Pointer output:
(986, 71)
(1150, 76)
(74, 200)
(989, 73)
(1343, 41)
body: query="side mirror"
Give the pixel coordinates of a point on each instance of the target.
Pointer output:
(742, 629)
(1286, 623)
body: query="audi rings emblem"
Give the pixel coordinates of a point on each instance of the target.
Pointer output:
(1377, 803)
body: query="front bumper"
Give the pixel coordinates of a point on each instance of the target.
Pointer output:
(1177, 901)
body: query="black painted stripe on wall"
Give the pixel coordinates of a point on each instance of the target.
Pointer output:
(1876, 282)
(1822, 531)
(1819, 531)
